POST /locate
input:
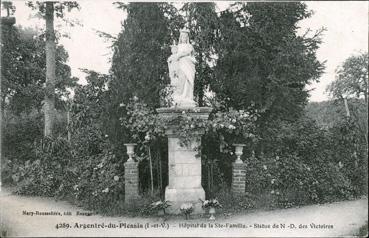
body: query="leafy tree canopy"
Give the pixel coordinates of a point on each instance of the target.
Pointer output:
(8, 7)
(330, 113)
(59, 7)
(139, 64)
(263, 61)
(23, 69)
(352, 78)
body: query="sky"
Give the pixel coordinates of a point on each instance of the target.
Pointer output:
(346, 34)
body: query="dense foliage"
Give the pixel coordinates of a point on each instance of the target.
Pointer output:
(262, 60)
(303, 164)
(306, 164)
(46, 174)
(23, 78)
(139, 63)
(99, 168)
(23, 70)
(21, 131)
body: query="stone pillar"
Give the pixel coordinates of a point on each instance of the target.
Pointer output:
(184, 176)
(238, 178)
(130, 181)
(184, 168)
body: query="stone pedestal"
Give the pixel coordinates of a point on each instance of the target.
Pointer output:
(238, 178)
(131, 181)
(184, 168)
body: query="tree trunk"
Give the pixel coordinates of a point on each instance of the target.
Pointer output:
(151, 173)
(209, 176)
(1, 108)
(49, 102)
(160, 177)
(68, 125)
(346, 107)
(200, 92)
(212, 177)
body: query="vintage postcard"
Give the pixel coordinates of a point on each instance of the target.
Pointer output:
(184, 118)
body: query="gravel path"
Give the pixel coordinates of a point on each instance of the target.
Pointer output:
(331, 220)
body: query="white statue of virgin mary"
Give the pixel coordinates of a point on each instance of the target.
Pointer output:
(182, 71)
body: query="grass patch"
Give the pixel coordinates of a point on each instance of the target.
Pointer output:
(363, 230)
(4, 231)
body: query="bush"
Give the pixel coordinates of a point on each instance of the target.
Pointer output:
(20, 132)
(46, 175)
(100, 181)
(302, 167)
(235, 203)
(349, 150)
(5, 231)
(10, 170)
(363, 231)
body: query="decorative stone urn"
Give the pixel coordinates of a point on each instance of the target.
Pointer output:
(130, 151)
(212, 213)
(239, 152)
(184, 168)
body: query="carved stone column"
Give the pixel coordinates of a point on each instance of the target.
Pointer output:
(184, 168)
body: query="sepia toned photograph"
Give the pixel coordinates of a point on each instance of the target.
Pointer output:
(184, 118)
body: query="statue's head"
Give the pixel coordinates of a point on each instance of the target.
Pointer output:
(183, 36)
